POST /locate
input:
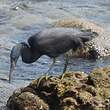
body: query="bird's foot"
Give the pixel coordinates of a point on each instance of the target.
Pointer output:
(41, 78)
(62, 76)
(46, 77)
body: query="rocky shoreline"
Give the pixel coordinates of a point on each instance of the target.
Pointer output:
(75, 91)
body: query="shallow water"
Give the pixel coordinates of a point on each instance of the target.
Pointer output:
(21, 18)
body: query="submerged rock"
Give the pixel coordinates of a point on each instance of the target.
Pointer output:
(75, 91)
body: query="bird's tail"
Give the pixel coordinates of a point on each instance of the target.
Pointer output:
(87, 36)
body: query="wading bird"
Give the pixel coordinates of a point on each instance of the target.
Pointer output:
(51, 42)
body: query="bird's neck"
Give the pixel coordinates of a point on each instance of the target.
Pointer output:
(28, 54)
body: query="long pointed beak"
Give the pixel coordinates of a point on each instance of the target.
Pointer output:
(14, 55)
(12, 67)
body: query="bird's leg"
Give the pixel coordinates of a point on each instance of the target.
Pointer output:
(65, 66)
(51, 66)
(46, 74)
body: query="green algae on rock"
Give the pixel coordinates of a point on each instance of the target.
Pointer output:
(76, 91)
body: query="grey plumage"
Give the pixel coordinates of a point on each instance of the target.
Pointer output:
(51, 42)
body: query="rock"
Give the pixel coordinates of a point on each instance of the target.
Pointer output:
(68, 103)
(100, 78)
(75, 91)
(26, 101)
(79, 23)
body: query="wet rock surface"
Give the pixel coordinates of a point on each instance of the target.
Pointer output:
(75, 91)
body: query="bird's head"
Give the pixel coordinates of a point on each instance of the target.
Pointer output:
(14, 55)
